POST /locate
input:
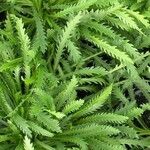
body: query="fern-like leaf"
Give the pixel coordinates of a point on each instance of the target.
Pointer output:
(65, 95)
(139, 17)
(94, 104)
(76, 140)
(110, 50)
(105, 118)
(123, 16)
(74, 51)
(40, 39)
(24, 40)
(21, 123)
(125, 130)
(67, 32)
(48, 122)
(27, 144)
(80, 6)
(100, 145)
(73, 106)
(39, 130)
(91, 130)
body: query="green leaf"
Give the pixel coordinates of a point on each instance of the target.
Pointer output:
(91, 130)
(139, 17)
(65, 95)
(27, 144)
(21, 123)
(58, 115)
(74, 51)
(73, 106)
(36, 128)
(40, 38)
(80, 6)
(10, 64)
(111, 50)
(105, 118)
(94, 104)
(67, 33)
(4, 138)
(49, 123)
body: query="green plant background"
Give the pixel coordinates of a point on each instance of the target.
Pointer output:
(74, 75)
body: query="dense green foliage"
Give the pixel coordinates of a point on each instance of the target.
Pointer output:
(74, 75)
